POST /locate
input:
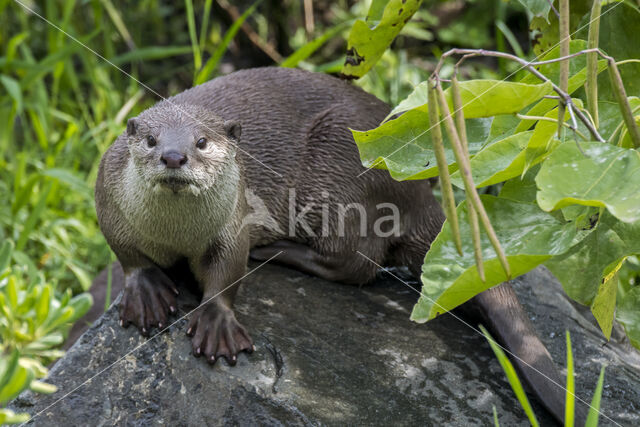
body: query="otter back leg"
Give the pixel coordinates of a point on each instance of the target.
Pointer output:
(335, 267)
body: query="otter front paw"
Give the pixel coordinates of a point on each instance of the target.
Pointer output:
(216, 333)
(149, 297)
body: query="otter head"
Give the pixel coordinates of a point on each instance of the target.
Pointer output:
(181, 148)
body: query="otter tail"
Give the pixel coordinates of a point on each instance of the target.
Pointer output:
(510, 325)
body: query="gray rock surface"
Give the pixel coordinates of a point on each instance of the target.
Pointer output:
(349, 356)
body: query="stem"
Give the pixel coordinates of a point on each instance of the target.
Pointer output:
(462, 133)
(623, 102)
(591, 84)
(465, 171)
(565, 38)
(443, 167)
(529, 66)
(549, 119)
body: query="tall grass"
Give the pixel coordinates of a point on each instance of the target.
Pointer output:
(61, 106)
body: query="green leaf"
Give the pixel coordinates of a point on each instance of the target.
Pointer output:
(42, 305)
(528, 236)
(594, 411)
(522, 189)
(404, 147)
(7, 416)
(580, 270)
(481, 98)
(604, 303)
(80, 304)
(42, 387)
(512, 376)
(13, 89)
(498, 162)
(539, 8)
(8, 366)
(607, 177)
(19, 381)
(5, 254)
(366, 45)
(628, 315)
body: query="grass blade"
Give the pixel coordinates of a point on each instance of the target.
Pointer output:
(205, 73)
(309, 48)
(570, 400)
(191, 23)
(594, 411)
(512, 376)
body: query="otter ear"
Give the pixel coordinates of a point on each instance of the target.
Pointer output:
(132, 126)
(233, 129)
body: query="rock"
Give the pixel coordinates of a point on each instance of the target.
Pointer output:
(348, 356)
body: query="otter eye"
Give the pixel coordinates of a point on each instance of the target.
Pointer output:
(201, 144)
(151, 141)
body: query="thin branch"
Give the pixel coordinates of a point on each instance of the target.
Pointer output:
(529, 66)
(555, 11)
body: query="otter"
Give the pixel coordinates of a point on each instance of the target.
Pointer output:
(180, 182)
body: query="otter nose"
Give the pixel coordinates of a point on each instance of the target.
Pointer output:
(173, 159)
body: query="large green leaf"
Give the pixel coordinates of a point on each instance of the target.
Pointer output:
(528, 236)
(607, 176)
(482, 98)
(581, 269)
(403, 145)
(523, 189)
(628, 314)
(366, 45)
(498, 162)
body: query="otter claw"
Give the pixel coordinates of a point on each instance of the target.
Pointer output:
(147, 295)
(216, 333)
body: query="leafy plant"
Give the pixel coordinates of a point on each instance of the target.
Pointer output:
(33, 323)
(569, 184)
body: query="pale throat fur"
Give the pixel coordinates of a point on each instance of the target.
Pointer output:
(170, 225)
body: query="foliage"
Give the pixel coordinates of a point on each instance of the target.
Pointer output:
(577, 212)
(33, 323)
